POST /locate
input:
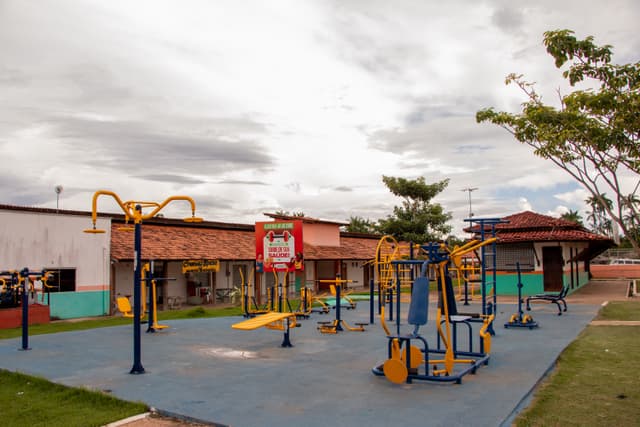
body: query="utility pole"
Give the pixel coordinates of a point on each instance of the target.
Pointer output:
(469, 190)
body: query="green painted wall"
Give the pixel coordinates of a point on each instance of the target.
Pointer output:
(507, 284)
(533, 283)
(70, 305)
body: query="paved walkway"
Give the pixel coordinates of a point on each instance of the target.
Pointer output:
(204, 369)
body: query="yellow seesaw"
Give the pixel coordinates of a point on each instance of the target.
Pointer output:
(271, 320)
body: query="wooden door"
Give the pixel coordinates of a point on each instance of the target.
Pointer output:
(552, 268)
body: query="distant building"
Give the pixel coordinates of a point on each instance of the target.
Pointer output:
(92, 270)
(552, 253)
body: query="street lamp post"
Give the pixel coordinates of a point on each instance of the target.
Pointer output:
(133, 210)
(58, 189)
(469, 190)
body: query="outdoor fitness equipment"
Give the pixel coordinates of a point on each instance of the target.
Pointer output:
(133, 211)
(390, 277)
(468, 271)
(247, 297)
(335, 326)
(409, 363)
(276, 319)
(519, 319)
(10, 292)
(20, 284)
(552, 297)
(485, 229)
(153, 305)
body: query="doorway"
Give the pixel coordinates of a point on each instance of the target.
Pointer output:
(552, 265)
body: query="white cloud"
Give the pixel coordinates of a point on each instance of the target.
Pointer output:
(299, 106)
(524, 204)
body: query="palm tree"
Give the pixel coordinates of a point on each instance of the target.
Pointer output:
(572, 216)
(599, 204)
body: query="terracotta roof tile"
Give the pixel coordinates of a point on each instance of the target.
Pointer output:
(549, 235)
(180, 242)
(528, 219)
(183, 242)
(533, 227)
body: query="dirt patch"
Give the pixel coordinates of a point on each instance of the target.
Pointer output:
(600, 291)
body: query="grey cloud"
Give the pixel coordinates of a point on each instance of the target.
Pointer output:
(213, 203)
(363, 39)
(508, 18)
(23, 191)
(13, 77)
(343, 188)
(180, 179)
(130, 145)
(473, 148)
(241, 182)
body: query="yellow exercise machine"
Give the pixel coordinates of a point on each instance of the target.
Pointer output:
(152, 284)
(468, 273)
(133, 210)
(416, 363)
(335, 326)
(392, 277)
(277, 318)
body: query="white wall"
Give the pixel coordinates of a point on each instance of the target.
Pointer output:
(48, 240)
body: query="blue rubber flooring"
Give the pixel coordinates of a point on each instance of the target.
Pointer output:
(201, 368)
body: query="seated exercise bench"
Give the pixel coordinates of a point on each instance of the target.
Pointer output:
(553, 297)
(124, 306)
(271, 320)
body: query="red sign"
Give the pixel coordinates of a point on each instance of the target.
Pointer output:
(279, 246)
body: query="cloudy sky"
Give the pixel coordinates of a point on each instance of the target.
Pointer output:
(298, 105)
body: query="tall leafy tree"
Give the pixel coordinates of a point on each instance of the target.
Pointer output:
(419, 219)
(593, 134)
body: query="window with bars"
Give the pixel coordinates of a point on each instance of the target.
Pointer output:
(508, 255)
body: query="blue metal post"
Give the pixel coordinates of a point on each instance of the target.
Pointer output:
(371, 306)
(338, 304)
(137, 364)
(25, 309)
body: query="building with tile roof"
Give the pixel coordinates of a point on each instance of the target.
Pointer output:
(94, 269)
(552, 253)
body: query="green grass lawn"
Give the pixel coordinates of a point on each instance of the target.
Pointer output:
(596, 382)
(620, 310)
(33, 401)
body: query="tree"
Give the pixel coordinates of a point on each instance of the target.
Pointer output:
(360, 225)
(294, 214)
(573, 216)
(598, 214)
(418, 219)
(593, 135)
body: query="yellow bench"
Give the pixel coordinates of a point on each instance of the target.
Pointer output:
(270, 320)
(124, 306)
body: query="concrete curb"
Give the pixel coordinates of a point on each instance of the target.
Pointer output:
(131, 419)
